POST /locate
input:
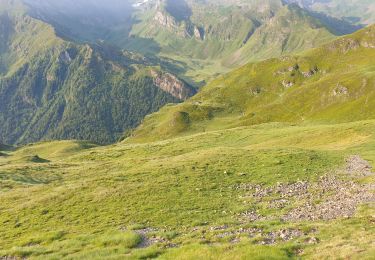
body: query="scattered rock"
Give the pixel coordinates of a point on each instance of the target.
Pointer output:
(250, 216)
(356, 165)
(330, 198)
(293, 68)
(292, 190)
(224, 227)
(146, 239)
(235, 240)
(287, 84)
(171, 245)
(340, 91)
(312, 240)
(310, 73)
(281, 235)
(299, 251)
(256, 90)
(267, 241)
(145, 231)
(251, 232)
(287, 70)
(278, 204)
(339, 199)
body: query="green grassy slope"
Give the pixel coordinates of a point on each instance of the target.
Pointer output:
(196, 40)
(272, 161)
(291, 30)
(218, 36)
(54, 89)
(179, 196)
(333, 83)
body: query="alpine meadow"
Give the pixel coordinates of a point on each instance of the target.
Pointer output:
(187, 129)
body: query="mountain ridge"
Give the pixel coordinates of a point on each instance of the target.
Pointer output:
(317, 85)
(54, 89)
(199, 40)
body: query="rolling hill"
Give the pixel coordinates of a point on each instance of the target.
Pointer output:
(270, 191)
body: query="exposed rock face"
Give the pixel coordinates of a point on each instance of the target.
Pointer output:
(185, 28)
(165, 20)
(65, 57)
(172, 85)
(199, 33)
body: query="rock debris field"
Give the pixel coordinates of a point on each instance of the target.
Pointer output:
(335, 195)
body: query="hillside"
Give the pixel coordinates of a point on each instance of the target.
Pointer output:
(272, 191)
(54, 89)
(333, 83)
(273, 160)
(196, 40)
(291, 30)
(353, 11)
(219, 36)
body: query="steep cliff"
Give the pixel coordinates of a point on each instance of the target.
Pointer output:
(172, 85)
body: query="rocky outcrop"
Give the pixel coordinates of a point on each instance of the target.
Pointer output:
(184, 29)
(340, 90)
(287, 84)
(199, 33)
(344, 45)
(172, 85)
(165, 20)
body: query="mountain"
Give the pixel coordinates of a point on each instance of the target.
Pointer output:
(51, 88)
(82, 20)
(291, 30)
(214, 36)
(271, 161)
(353, 11)
(194, 39)
(67, 76)
(332, 83)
